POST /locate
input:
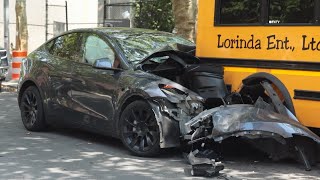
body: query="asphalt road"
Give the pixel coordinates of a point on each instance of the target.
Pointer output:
(70, 154)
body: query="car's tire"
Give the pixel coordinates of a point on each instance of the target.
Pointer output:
(139, 130)
(31, 109)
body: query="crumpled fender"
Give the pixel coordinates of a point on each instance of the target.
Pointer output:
(240, 120)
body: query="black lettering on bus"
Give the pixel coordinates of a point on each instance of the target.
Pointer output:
(304, 48)
(258, 44)
(219, 41)
(233, 41)
(318, 46)
(243, 43)
(271, 44)
(286, 43)
(313, 42)
(280, 43)
(239, 43)
(313, 45)
(250, 43)
(227, 43)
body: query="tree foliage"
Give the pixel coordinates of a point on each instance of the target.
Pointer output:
(155, 15)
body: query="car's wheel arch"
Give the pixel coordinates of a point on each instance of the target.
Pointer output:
(25, 85)
(166, 125)
(123, 103)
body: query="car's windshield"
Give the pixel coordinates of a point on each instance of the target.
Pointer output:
(137, 46)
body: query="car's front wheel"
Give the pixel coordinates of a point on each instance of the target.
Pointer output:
(31, 108)
(139, 130)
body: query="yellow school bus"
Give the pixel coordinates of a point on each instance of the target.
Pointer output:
(276, 40)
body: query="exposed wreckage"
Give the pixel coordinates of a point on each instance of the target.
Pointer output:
(196, 97)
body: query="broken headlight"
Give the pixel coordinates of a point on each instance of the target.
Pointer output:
(182, 99)
(195, 107)
(174, 95)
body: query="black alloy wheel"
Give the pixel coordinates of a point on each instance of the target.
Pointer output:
(139, 130)
(32, 109)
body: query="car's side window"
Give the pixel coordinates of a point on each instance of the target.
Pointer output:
(96, 48)
(67, 47)
(49, 46)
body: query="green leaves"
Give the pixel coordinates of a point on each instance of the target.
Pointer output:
(155, 15)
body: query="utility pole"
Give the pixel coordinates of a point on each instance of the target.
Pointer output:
(6, 25)
(46, 20)
(67, 23)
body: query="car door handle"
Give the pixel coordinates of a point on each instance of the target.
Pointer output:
(43, 59)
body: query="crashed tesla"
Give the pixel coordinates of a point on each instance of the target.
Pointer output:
(148, 89)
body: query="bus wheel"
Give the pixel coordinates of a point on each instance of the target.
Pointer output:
(252, 87)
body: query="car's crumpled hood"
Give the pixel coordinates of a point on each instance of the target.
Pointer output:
(240, 120)
(173, 48)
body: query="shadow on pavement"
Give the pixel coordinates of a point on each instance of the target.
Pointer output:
(71, 154)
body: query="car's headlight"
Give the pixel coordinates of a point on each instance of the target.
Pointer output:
(177, 96)
(169, 88)
(173, 94)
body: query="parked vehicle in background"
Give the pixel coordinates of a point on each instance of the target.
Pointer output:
(3, 63)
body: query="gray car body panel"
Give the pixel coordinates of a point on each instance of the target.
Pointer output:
(237, 120)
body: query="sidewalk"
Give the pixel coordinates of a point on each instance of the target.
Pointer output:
(9, 86)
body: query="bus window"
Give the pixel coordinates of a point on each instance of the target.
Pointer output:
(289, 11)
(240, 11)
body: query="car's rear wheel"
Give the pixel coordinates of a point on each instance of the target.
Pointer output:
(139, 130)
(31, 108)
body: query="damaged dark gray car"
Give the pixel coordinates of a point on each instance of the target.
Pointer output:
(148, 89)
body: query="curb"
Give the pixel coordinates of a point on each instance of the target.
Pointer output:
(8, 87)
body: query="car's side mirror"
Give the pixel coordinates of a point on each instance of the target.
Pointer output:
(104, 63)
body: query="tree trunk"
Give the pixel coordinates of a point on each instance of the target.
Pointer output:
(21, 26)
(185, 18)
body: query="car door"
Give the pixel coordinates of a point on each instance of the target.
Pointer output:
(93, 90)
(62, 51)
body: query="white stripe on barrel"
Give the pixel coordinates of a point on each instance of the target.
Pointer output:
(17, 57)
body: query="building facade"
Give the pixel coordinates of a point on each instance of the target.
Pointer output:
(81, 14)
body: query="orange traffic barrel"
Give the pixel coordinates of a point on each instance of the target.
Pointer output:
(17, 57)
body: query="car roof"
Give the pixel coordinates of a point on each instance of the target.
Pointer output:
(117, 30)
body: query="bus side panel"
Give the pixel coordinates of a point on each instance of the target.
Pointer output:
(306, 110)
(273, 42)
